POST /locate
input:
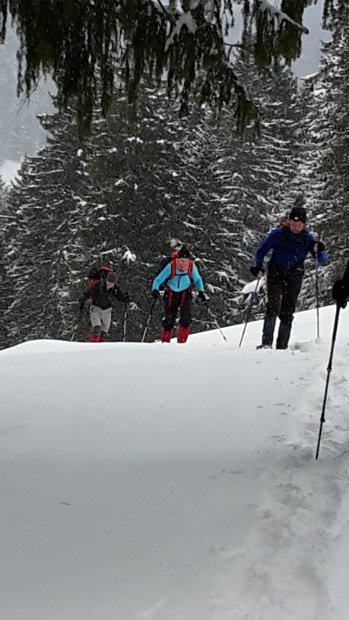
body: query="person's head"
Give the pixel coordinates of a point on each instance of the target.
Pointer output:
(183, 252)
(110, 280)
(175, 245)
(297, 219)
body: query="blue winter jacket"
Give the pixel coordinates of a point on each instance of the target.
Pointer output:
(180, 282)
(289, 249)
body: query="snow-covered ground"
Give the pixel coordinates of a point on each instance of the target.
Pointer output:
(176, 482)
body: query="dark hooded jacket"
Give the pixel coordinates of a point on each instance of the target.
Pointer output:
(102, 297)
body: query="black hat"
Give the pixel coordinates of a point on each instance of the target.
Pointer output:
(111, 277)
(298, 214)
(183, 252)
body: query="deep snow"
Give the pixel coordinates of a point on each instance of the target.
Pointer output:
(151, 481)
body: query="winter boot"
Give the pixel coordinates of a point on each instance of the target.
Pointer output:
(284, 334)
(104, 337)
(94, 338)
(166, 335)
(183, 333)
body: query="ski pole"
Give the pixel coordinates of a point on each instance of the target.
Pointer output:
(73, 333)
(329, 368)
(124, 324)
(148, 320)
(209, 311)
(317, 295)
(252, 299)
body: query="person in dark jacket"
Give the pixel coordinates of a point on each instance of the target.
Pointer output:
(102, 295)
(340, 291)
(290, 245)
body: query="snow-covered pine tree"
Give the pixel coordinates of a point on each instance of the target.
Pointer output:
(2, 194)
(3, 295)
(254, 177)
(179, 41)
(138, 183)
(147, 175)
(325, 165)
(40, 230)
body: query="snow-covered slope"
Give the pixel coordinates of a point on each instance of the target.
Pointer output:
(150, 481)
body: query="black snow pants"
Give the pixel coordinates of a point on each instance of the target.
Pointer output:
(174, 302)
(283, 288)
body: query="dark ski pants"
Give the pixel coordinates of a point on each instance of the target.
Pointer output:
(173, 303)
(283, 288)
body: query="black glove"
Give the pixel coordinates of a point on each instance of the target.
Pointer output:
(155, 293)
(125, 298)
(256, 271)
(203, 297)
(320, 246)
(340, 292)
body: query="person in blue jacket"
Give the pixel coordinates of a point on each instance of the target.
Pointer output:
(290, 245)
(178, 274)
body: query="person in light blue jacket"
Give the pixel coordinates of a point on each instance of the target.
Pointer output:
(179, 275)
(290, 245)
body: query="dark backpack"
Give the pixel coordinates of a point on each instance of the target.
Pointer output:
(98, 274)
(165, 261)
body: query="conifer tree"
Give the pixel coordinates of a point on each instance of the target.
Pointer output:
(132, 187)
(78, 40)
(40, 235)
(3, 295)
(255, 176)
(325, 166)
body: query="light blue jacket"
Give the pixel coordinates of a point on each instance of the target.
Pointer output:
(180, 282)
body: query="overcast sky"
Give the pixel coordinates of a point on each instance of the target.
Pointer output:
(20, 131)
(311, 43)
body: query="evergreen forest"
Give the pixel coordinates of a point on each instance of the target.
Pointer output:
(162, 157)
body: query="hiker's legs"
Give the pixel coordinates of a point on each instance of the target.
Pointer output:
(183, 333)
(171, 303)
(291, 289)
(166, 334)
(274, 292)
(185, 317)
(96, 321)
(105, 322)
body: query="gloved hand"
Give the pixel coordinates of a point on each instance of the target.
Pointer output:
(155, 293)
(257, 272)
(340, 292)
(125, 298)
(202, 296)
(320, 246)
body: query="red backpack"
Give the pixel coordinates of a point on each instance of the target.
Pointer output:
(184, 265)
(98, 274)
